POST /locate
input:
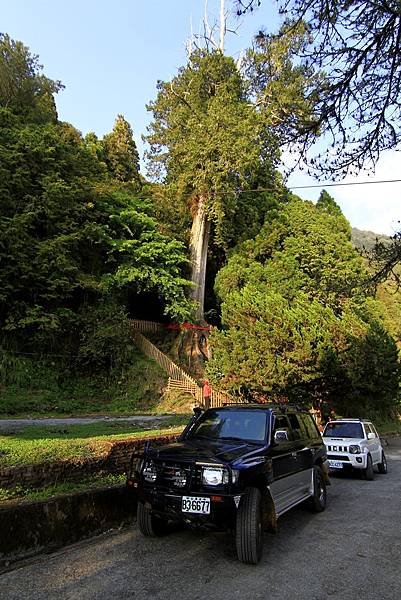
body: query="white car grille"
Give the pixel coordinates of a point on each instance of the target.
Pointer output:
(336, 448)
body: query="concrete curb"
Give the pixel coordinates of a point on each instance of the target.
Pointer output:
(33, 527)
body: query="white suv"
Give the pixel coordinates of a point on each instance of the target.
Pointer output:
(354, 444)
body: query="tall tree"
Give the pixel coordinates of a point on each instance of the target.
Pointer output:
(23, 88)
(207, 142)
(121, 154)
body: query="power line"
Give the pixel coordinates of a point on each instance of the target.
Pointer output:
(329, 184)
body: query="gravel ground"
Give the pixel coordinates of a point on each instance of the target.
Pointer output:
(352, 551)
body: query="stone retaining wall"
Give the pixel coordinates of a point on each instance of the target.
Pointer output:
(32, 527)
(115, 459)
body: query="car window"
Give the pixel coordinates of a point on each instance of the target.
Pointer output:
(220, 424)
(310, 426)
(367, 429)
(337, 429)
(374, 430)
(297, 432)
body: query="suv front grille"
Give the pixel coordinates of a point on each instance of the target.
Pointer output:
(173, 475)
(337, 448)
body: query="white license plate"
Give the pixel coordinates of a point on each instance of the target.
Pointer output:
(335, 464)
(194, 504)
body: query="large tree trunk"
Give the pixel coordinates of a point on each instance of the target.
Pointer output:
(199, 243)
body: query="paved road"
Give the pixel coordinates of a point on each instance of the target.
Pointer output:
(7, 424)
(352, 551)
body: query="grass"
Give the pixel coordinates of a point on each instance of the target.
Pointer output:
(389, 427)
(35, 444)
(66, 487)
(35, 387)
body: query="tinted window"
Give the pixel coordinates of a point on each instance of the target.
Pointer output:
(296, 429)
(309, 424)
(229, 424)
(351, 430)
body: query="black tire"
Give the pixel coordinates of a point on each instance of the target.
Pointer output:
(317, 503)
(248, 532)
(382, 466)
(149, 525)
(368, 473)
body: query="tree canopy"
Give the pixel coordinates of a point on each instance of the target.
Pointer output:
(298, 320)
(357, 45)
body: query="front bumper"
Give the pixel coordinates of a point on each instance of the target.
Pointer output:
(168, 505)
(347, 460)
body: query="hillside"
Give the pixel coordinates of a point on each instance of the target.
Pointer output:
(365, 240)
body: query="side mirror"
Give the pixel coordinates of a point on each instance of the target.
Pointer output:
(197, 411)
(281, 435)
(371, 436)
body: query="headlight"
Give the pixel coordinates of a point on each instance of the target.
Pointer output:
(149, 471)
(214, 475)
(355, 449)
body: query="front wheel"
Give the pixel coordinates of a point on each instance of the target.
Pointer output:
(368, 473)
(150, 525)
(382, 466)
(317, 503)
(248, 533)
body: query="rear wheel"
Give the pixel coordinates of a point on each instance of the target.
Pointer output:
(248, 534)
(317, 502)
(368, 473)
(382, 466)
(150, 525)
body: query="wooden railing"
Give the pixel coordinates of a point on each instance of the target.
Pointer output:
(173, 370)
(177, 377)
(146, 325)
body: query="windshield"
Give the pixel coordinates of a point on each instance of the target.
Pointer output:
(215, 424)
(349, 430)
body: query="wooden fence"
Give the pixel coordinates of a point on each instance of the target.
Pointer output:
(146, 325)
(177, 377)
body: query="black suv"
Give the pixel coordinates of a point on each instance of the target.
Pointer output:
(238, 467)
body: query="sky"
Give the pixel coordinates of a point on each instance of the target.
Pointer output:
(110, 54)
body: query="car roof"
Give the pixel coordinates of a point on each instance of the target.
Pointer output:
(349, 421)
(283, 408)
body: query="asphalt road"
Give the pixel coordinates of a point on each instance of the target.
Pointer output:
(352, 551)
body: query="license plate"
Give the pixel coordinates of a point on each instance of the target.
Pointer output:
(335, 464)
(194, 504)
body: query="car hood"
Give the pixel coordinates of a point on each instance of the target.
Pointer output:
(333, 441)
(204, 451)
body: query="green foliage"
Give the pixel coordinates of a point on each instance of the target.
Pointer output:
(23, 88)
(121, 154)
(32, 384)
(298, 319)
(208, 141)
(284, 90)
(69, 236)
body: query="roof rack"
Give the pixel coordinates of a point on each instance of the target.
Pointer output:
(269, 405)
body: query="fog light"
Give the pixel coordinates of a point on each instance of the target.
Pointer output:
(358, 459)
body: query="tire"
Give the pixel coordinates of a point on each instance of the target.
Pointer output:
(368, 473)
(382, 466)
(248, 532)
(317, 503)
(149, 525)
